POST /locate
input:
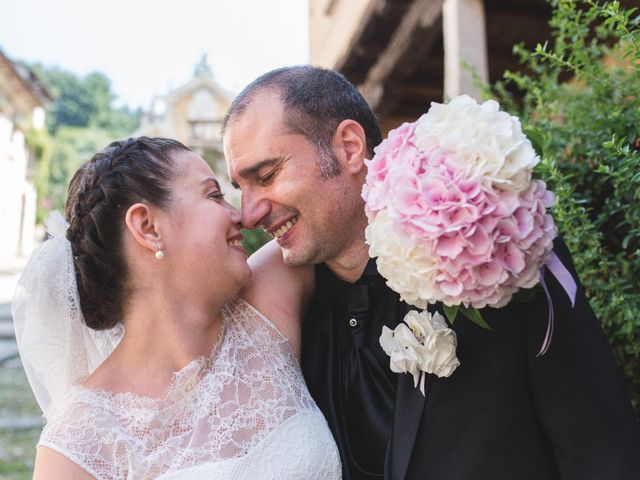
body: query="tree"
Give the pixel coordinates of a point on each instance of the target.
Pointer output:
(81, 121)
(84, 102)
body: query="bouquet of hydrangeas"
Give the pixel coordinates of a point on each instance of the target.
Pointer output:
(454, 215)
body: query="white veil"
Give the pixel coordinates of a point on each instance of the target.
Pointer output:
(56, 346)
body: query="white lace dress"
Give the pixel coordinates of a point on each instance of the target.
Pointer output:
(244, 412)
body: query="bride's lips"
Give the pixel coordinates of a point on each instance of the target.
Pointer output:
(235, 242)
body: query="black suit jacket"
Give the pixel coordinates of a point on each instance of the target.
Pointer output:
(506, 413)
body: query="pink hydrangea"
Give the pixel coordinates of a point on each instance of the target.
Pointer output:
(483, 241)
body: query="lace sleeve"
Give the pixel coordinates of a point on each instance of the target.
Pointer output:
(76, 430)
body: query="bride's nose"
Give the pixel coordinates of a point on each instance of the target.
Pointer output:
(234, 213)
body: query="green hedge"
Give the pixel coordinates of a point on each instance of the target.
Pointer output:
(581, 101)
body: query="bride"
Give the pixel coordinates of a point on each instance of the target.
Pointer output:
(151, 346)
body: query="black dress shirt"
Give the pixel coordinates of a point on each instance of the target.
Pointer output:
(345, 368)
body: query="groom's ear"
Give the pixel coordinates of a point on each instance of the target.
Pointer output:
(350, 145)
(143, 227)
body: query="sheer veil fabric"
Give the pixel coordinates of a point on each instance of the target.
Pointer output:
(56, 347)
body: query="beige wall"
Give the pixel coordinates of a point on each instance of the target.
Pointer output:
(331, 29)
(17, 193)
(196, 101)
(179, 117)
(200, 100)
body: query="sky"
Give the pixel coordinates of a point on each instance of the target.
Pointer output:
(147, 47)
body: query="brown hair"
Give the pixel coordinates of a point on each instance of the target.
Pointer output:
(315, 101)
(100, 193)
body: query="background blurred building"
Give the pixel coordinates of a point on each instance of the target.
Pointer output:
(22, 101)
(192, 114)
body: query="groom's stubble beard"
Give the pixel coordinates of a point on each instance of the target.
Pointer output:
(327, 232)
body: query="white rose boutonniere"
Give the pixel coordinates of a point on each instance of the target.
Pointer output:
(423, 344)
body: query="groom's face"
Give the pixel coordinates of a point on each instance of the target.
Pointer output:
(283, 190)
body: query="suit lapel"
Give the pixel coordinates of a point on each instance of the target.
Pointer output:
(407, 414)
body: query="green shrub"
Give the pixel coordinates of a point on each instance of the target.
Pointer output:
(581, 99)
(254, 239)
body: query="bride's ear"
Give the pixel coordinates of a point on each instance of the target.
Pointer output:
(143, 227)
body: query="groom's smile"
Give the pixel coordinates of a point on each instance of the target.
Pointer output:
(282, 232)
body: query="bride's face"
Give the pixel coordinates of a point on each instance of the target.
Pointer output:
(202, 241)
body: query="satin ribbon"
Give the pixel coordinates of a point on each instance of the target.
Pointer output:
(421, 380)
(568, 284)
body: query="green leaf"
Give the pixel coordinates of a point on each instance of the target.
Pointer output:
(474, 315)
(450, 313)
(537, 140)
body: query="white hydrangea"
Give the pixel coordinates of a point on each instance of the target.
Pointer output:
(416, 284)
(491, 142)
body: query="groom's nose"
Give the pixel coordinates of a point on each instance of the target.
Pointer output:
(254, 210)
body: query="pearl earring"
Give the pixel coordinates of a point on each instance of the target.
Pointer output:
(159, 253)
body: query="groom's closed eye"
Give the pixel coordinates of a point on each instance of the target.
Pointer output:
(265, 179)
(261, 172)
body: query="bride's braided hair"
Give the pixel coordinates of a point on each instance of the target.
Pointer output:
(100, 193)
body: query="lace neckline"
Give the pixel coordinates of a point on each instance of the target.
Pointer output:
(220, 407)
(183, 380)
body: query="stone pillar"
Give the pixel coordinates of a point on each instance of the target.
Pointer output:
(465, 42)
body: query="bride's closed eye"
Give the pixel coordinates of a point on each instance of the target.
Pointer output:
(216, 195)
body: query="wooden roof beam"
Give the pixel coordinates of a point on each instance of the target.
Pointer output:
(418, 29)
(375, 8)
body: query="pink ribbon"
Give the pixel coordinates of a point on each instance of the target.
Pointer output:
(562, 274)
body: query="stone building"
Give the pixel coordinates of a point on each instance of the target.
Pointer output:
(192, 114)
(22, 101)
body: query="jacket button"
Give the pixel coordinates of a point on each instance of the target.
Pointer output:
(353, 322)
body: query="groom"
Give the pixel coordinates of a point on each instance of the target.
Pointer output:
(295, 142)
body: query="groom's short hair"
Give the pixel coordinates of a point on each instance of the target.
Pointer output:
(315, 101)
